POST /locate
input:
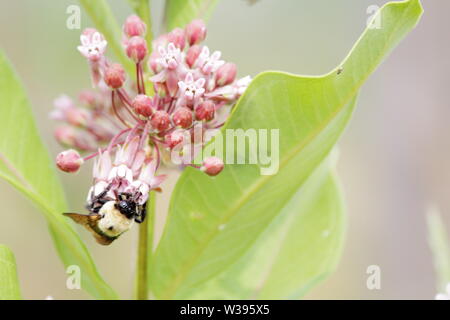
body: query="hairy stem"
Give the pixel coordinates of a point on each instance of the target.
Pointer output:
(145, 249)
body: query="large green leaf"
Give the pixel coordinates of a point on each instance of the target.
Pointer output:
(105, 22)
(300, 247)
(25, 163)
(216, 227)
(439, 243)
(179, 13)
(9, 283)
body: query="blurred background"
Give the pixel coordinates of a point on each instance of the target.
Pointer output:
(393, 157)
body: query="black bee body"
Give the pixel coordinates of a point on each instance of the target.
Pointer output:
(129, 207)
(125, 203)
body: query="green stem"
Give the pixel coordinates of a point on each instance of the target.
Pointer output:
(145, 249)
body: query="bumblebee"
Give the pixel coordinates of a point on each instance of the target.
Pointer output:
(109, 217)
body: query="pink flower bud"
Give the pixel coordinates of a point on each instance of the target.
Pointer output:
(192, 55)
(142, 104)
(177, 37)
(69, 161)
(226, 74)
(160, 120)
(65, 135)
(134, 26)
(87, 97)
(115, 76)
(136, 49)
(205, 111)
(195, 32)
(182, 117)
(77, 117)
(212, 166)
(175, 138)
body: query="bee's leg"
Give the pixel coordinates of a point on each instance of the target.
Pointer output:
(101, 194)
(140, 214)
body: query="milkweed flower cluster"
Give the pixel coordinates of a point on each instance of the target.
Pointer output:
(129, 131)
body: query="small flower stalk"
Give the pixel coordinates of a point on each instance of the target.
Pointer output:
(128, 132)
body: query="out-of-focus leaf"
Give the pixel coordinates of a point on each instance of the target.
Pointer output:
(179, 13)
(9, 282)
(250, 235)
(105, 22)
(439, 243)
(25, 163)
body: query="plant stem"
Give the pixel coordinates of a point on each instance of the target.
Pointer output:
(145, 249)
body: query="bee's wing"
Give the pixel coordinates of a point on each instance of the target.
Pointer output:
(88, 221)
(83, 219)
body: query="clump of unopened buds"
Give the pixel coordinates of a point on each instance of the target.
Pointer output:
(129, 130)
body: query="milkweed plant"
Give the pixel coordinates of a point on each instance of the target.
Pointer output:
(258, 220)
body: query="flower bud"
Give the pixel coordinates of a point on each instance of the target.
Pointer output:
(175, 138)
(134, 26)
(136, 49)
(160, 120)
(205, 111)
(115, 76)
(65, 135)
(195, 32)
(177, 37)
(69, 161)
(182, 117)
(212, 166)
(87, 97)
(77, 117)
(192, 55)
(142, 104)
(226, 74)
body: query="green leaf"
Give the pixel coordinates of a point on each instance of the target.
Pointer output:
(25, 163)
(300, 247)
(439, 244)
(216, 224)
(178, 13)
(105, 22)
(9, 282)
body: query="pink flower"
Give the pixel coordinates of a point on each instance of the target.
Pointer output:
(191, 90)
(209, 63)
(134, 26)
(170, 58)
(62, 104)
(195, 32)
